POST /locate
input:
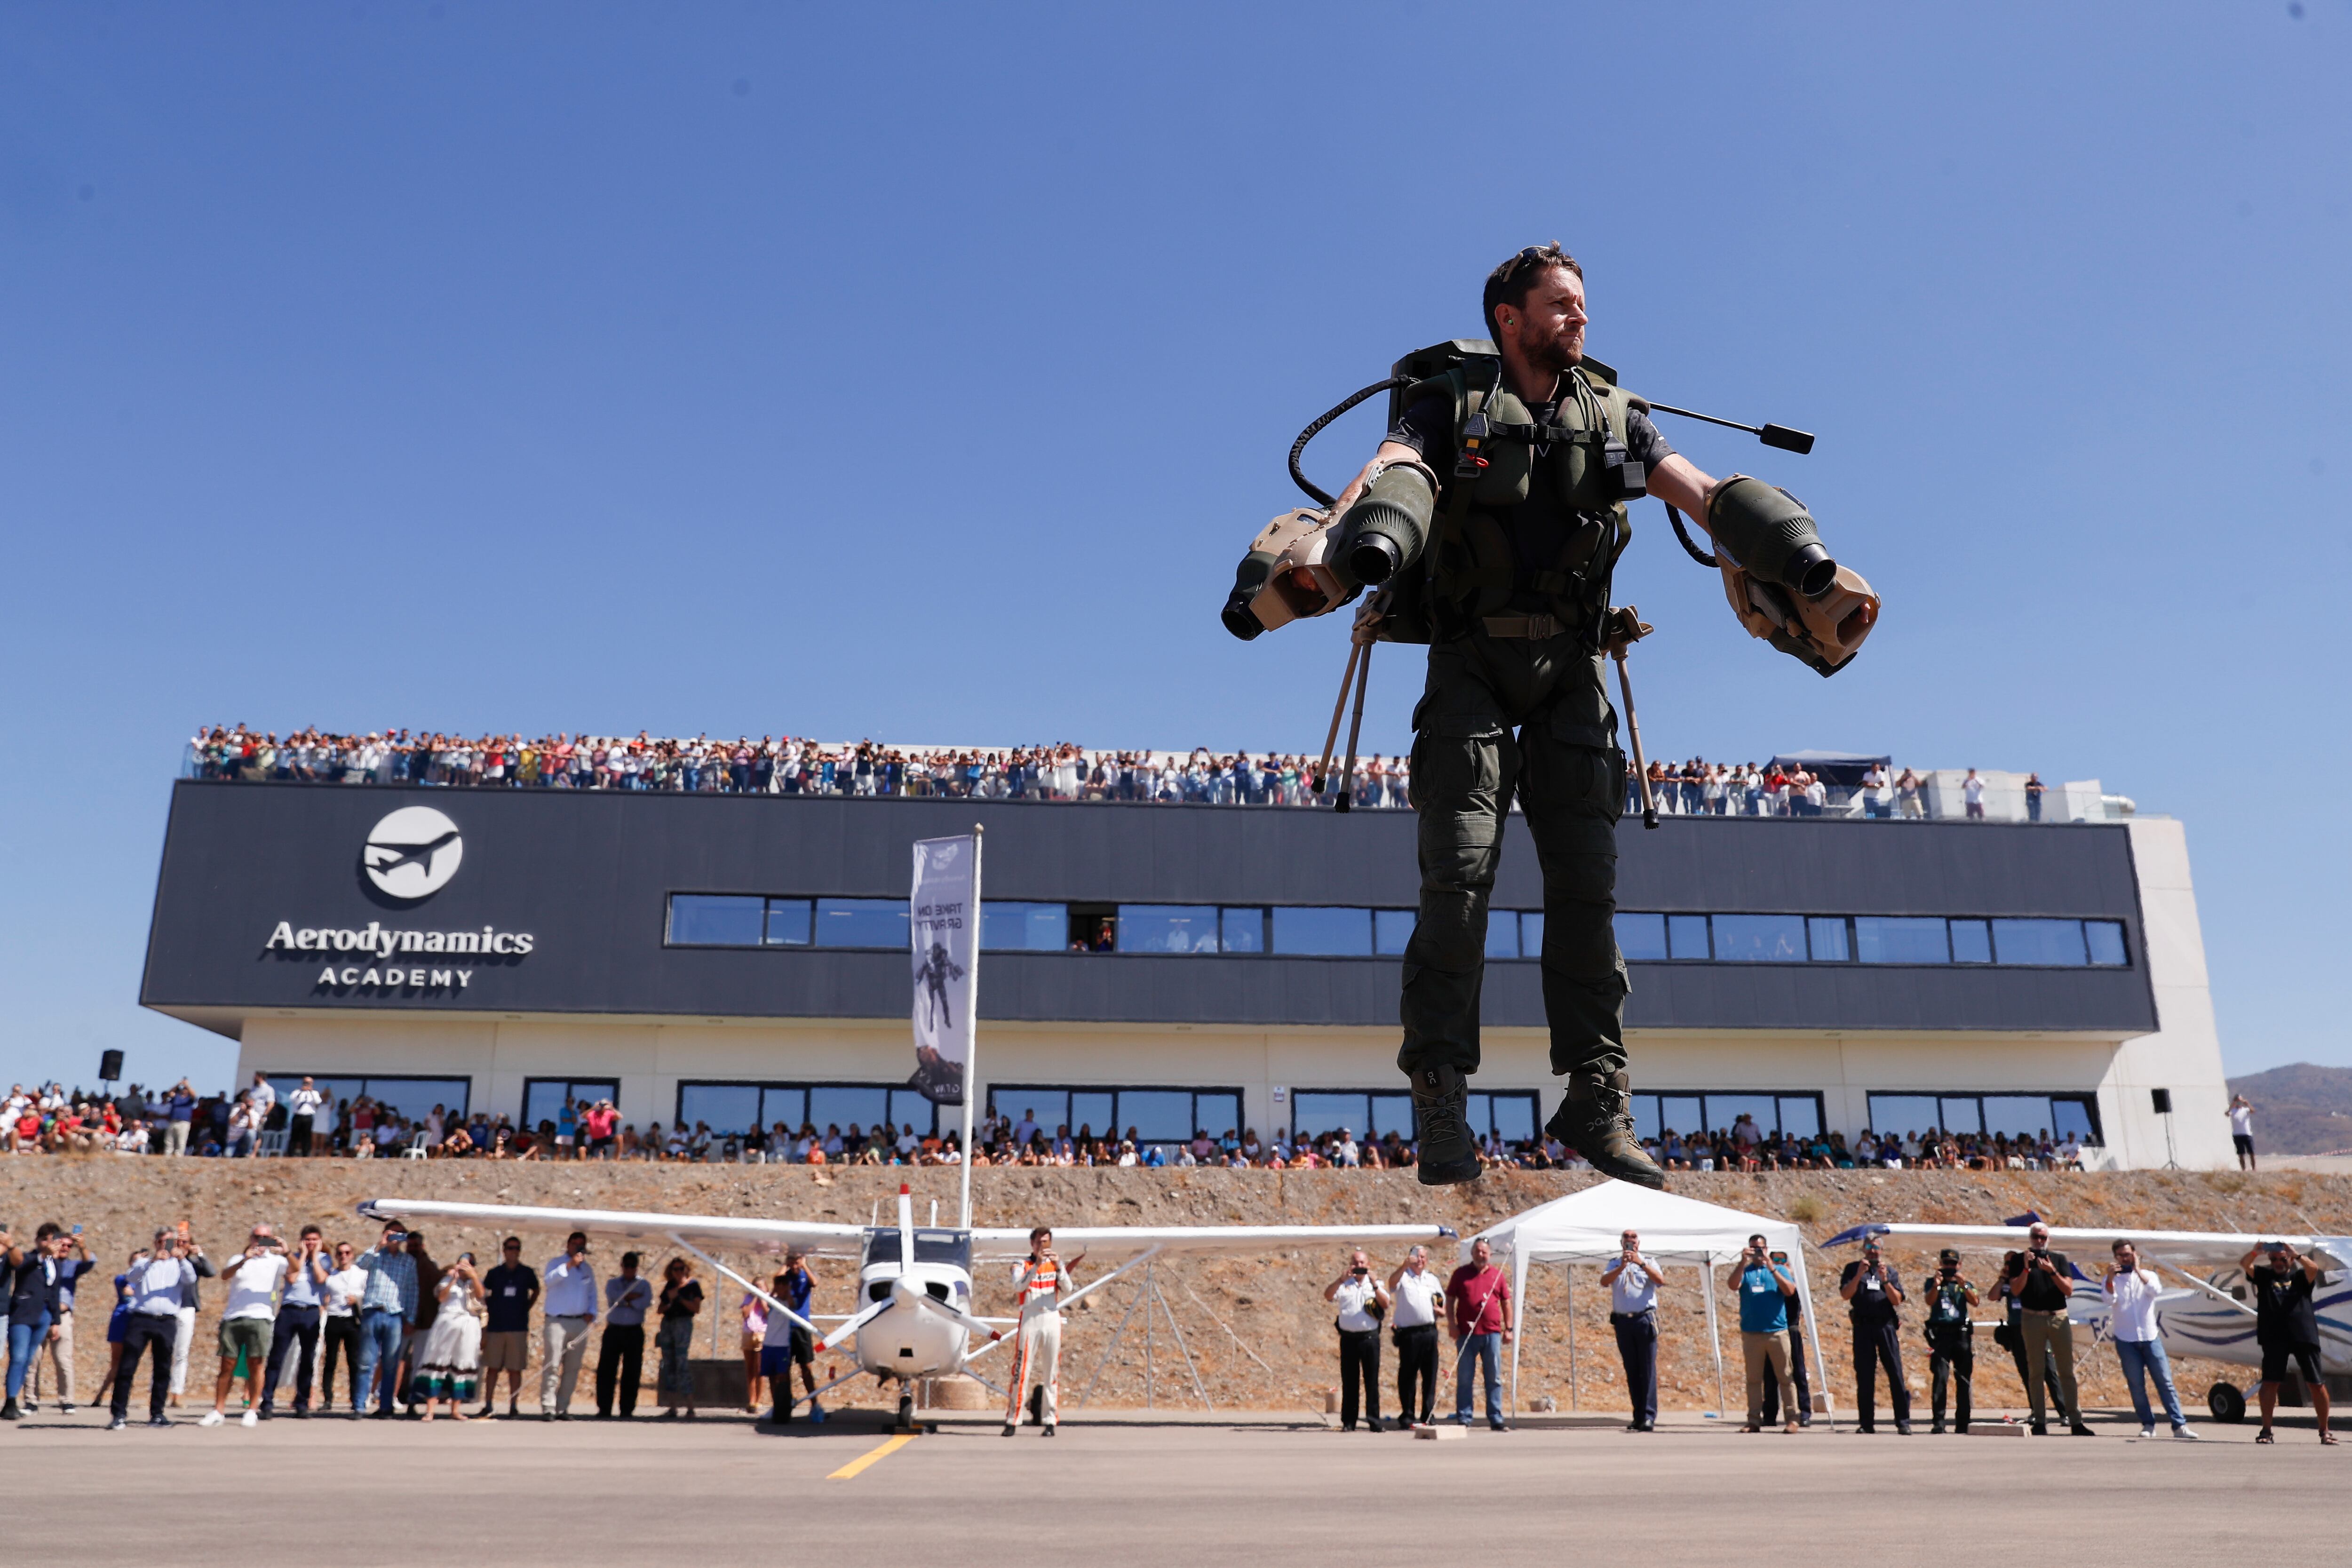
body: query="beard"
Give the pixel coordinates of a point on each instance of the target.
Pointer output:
(1554, 355)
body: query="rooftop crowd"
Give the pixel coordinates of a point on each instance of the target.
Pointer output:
(306, 1122)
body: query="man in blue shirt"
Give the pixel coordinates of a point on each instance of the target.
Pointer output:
(296, 1331)
(788, 1344)
(1765, 1288)
(387, 1306)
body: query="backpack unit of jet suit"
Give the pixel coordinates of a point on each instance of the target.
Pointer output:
(1515, 704)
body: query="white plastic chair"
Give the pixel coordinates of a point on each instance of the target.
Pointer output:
(421, 1146)
(268, 1144)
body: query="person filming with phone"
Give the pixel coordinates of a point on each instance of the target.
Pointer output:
(1633, 1281)
(2286, 1327)
(2132, 1288)
(1419, 1295)
(1765, 1288)
(1363, 1300)
(1873, 1293)
(2037, 1282)
(1951, 1340)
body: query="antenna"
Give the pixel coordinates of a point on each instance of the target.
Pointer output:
(1798, 441)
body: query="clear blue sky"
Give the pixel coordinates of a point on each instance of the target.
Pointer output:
(923, 372)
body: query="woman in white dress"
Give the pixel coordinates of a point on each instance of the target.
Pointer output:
(449, 1360)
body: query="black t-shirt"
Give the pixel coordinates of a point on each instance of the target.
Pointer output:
(1871, 1305)
(507, 1290)
(2283, 1313)
(1538, 529)
(681, 1302)
(2041, 1292)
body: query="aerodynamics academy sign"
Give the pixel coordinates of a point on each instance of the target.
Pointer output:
(409, 855)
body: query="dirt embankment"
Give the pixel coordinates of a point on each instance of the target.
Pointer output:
(1258, 1329)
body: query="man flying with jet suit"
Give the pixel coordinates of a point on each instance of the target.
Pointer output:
(1515, 707)
(1041, 1283)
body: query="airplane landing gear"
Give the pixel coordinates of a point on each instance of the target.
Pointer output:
(2227, 1403)
(905, 1407)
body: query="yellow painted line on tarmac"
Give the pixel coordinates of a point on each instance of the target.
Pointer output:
(857, 1466)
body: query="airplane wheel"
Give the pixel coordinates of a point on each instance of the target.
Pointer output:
(2227, 1403)
(907, 1412)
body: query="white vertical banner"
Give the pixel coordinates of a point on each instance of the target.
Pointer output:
(943, 928)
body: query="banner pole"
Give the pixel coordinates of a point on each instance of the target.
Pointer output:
(971, 1017)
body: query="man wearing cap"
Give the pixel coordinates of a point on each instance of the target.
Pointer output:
(2286, 1326)
(1952, 1343)
(2037, 1282)
(1873, 1293)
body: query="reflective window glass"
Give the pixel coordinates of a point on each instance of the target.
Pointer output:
(1900, 1113)
(1900, 938)
(1531, 934)
(789, 1106)
(1157, 1114)
(1645, 1115)
(1724, 1110)
(909, 1107)
(1514, 1117)
(2072, 1118)
(1393, 1113)
(707, 920)
(727, 1107)
(1324, 932)
(1091, 1109)
(1502, 934)
(414, 1096)
(1024, 928)
(1220, 1113)
(2040, 942)
(1827, 933)
(542, 1098)
(1801, 1115)
(1961, 1114)
(788, 921)
(1242, 928)
(1759, 938)
(1480, 1110)
(1687, 936)
(1641, 938)
(1391, 929)
(1681, 1113)
(1167, 928)
(2017, 1114)
(842, 1107)
(2106, 939)
(1972, 941)
(862, 922)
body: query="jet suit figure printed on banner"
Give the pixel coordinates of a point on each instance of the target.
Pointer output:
(1041, 1284)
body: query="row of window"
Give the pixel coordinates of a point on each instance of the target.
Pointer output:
(716, 920)
(1800, 1115)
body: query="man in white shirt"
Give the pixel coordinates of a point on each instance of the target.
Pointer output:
(2242, 1130)
(338, 1328)
(1972, 797)
(1419, 1296)
(1633, 1282)
(1025, 1130)
(302, 1111)
(1361, 1298)
(1345, 1154)
(568, 1299)
(263, 1097)
(254, 1277)
(2131, 1290)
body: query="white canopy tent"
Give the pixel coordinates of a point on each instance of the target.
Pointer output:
(1584, 1228)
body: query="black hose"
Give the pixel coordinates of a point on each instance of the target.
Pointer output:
(1701, 556)
(1316, 429)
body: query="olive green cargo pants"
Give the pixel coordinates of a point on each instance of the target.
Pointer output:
(1570, 779)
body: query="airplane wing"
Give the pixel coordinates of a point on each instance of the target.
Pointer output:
(1112, 1242)
(705, 1230)
(2193, 1249)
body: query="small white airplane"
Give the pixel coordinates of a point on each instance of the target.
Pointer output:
(2210, 1315)
(915, 1320)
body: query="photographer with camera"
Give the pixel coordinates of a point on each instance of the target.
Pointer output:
(1804, 1406)
(152, 1288)
(2132, 1288)
(254, 1276)
(299, 1310)
(1951, 1340)
(1765, 1288)
(1633, 1282)
(1873, 1293)
(2037, 1283)
(1419, 1295)
(1363, 1300)
(2286, 1326)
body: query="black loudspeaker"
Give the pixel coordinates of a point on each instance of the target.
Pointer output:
(2163, 1097)
(109, 1066)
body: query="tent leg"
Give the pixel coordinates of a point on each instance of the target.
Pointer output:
(1814, 1333)
(1519, 1304)
(1714, 1333)
(1569, 1271)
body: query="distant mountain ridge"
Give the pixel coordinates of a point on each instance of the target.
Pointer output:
(2300, 1109)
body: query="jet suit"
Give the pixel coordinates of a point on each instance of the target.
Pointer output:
(1040, 1286)
(1514, 708)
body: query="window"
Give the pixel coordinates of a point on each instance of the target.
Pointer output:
(1531, 934)
(788, 921)
(1321, 932)
(1167, 928)
(1714, 1110)
(1242, 930)
(1759, 938)
(406, 1096)
(1366, 1113)
(1510, 1117)
(2106, 941)
(1391, 929)
(706, 920)
(1155, 1114)
(2015, 1115)
(1827, 934)
(1641, 938)
(1972, 941)
(542, 1098)
(1900, 938)
(862, 922)
(1687, 936)
(739, 1107)
(1024, 928)
(1502, 934)
(2040, 942)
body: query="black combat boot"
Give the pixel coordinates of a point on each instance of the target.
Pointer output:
(1448, 1153)
(1594, 1121)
